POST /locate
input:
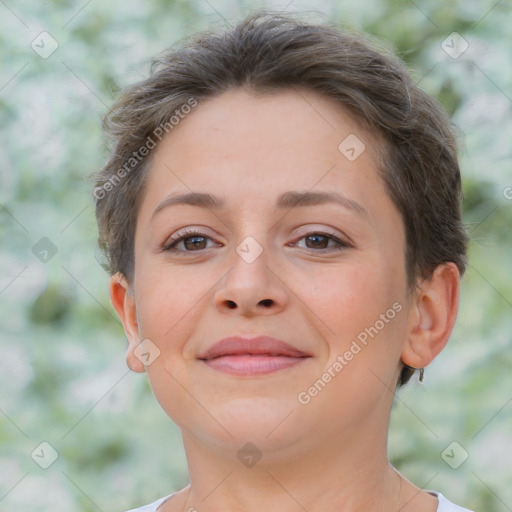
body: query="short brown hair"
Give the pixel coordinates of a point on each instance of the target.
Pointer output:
(267, 52)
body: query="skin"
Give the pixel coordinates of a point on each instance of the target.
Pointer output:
(330, 454)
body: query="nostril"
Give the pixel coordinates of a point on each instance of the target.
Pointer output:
(266, 302)
(231, 304)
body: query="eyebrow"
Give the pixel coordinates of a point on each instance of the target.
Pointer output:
(287, 200)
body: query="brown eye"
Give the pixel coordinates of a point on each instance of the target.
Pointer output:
(319, 240)
(192, 241)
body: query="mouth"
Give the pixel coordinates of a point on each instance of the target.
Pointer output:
(250, 364)
(257, 356)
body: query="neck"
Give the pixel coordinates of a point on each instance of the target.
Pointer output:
(339, 475)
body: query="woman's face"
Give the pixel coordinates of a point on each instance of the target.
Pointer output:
(326, 277)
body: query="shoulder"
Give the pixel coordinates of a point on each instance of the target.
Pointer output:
(152, 506)
(446, 505)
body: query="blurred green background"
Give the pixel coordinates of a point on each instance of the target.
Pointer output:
(63, 377)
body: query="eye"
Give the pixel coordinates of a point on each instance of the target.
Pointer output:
(320, 240)
(191, 239)
(195, 241)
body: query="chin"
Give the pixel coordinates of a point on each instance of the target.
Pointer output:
(260, 421)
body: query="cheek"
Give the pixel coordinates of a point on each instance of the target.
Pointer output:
(347, 296)
(354, 303)
(170, 300)
(161, 301)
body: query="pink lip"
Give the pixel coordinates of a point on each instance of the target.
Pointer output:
(243, 356)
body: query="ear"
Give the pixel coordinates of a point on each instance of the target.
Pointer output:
(123, 300)
(432, 317)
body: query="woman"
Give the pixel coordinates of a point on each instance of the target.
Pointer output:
(281, 214)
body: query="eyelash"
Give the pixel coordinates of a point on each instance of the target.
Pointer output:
(171, 245)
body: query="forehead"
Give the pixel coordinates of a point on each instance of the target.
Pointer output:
(280, 120)
(293, 136)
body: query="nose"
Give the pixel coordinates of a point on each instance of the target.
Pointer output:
(251, 287)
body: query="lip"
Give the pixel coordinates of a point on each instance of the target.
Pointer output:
(244, 356)
(262, 345)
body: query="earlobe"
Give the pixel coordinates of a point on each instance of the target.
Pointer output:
(123, 300)
(432, 317)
